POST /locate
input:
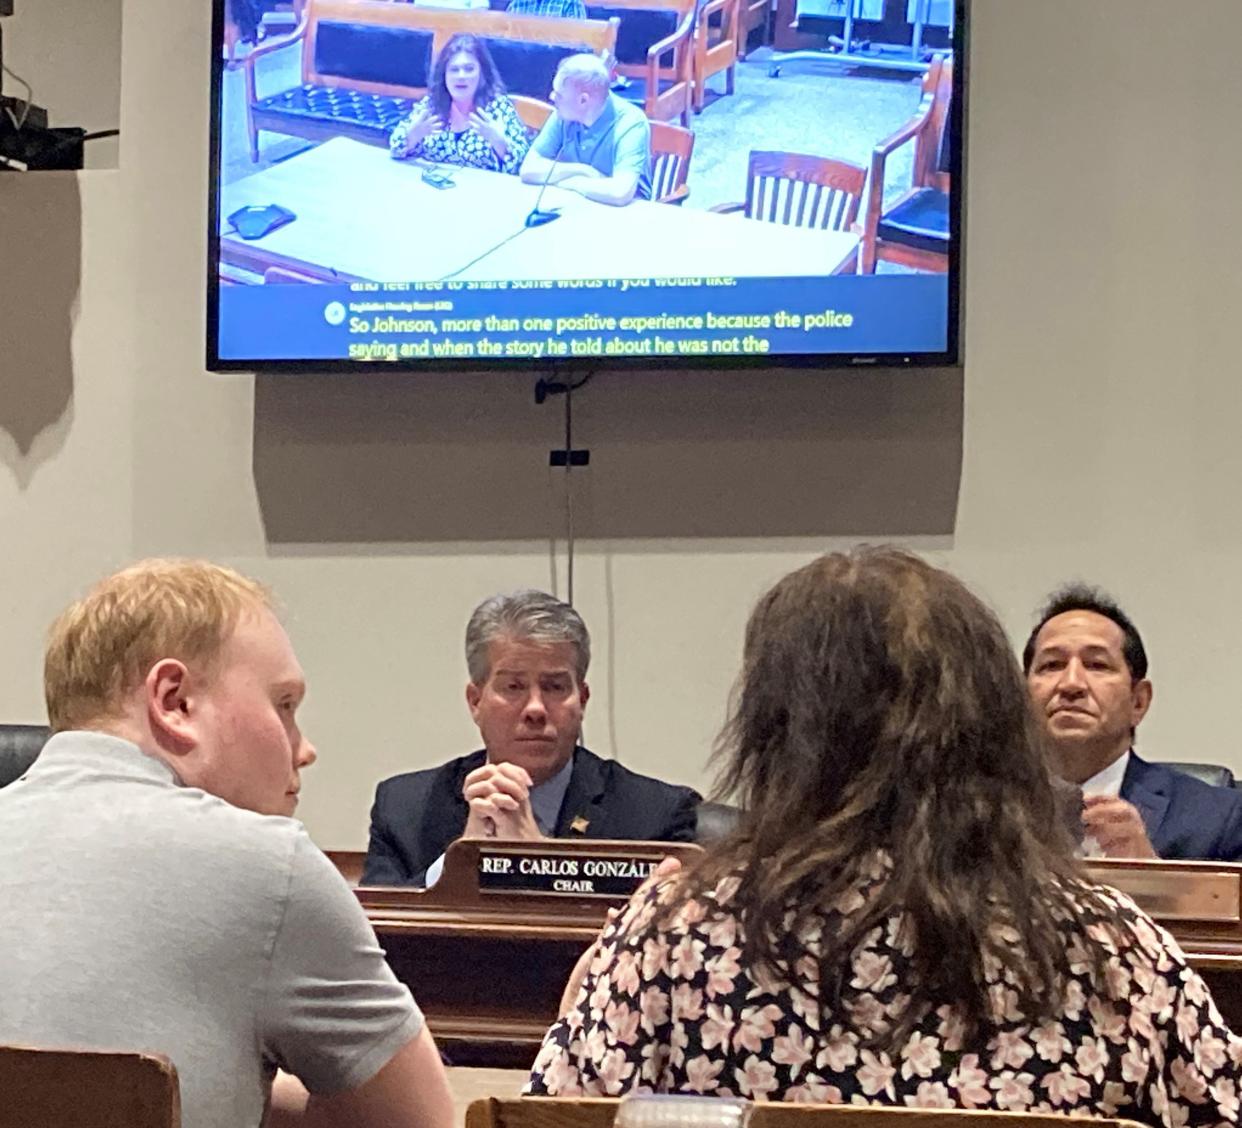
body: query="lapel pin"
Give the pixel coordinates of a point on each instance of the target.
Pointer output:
(579, 825)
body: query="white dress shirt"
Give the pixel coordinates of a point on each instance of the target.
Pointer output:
(1107, 781)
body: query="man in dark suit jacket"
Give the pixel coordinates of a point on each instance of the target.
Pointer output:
(1086, 669)
(527, 655)
(1183, 816)
(602, 800)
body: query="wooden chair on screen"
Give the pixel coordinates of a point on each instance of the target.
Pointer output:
(600, 1112)
(914, 229)
(671, 147)
(87, 1089)
(655, 50)
(754, 14)
(717, 45)
(532, 111)
(802, 191)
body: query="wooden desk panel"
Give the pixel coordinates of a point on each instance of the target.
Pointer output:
(1200, 903)
(488, 969)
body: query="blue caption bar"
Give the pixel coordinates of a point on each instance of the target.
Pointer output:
(646, 318)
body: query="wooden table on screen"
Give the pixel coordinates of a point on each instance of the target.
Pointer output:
(488, 969)
(362, 215)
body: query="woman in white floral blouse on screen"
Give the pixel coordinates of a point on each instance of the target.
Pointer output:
(899, 919)
(465, 118)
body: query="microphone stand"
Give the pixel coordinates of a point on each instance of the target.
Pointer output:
(537, 216)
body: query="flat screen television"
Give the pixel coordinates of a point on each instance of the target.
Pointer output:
(559, 182)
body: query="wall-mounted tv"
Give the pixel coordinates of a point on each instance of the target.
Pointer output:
(556, 182)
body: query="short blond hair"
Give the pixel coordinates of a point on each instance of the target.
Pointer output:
(587, 72)
(102, 646)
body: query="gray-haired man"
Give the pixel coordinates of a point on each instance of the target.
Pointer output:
(527, 655)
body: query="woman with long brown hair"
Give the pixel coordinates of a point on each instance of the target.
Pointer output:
(465, 118)
(899, 918)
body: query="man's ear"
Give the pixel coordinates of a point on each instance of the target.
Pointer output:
(167, 690)
(1140, 696)
(473, 696)
(584, 693)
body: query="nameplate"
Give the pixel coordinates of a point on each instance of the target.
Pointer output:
(570, 874)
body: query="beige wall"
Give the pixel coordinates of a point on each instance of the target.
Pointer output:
(1094, 429)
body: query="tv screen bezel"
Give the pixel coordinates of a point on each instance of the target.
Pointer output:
(951, 356)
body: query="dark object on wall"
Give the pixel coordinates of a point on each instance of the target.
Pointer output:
(32, 150)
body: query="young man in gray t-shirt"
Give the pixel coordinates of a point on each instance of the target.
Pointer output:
(158, 896)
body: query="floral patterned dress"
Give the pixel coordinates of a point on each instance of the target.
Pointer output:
(469, 148)
(673, 1010)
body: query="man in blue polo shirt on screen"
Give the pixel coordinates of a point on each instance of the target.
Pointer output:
(596, 143)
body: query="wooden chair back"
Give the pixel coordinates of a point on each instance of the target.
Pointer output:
(87, 1089)
(804, 191)
(533, 112)
(667, 71)
(671, 148)
(754, 14)
(598, 36)
(928, 130)
(938, 95)
(717, 46)
(598, 1112)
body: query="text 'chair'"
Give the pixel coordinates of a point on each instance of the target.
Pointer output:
(87, 1089)
(914, 229)
(671, 148)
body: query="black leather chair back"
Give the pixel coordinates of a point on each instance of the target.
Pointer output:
(715, 821)
(1216, 774)
(19, 746)
(398, 56)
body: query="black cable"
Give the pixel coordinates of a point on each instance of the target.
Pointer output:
(479, 258)
(569, 495)
(546, 387)
(543, 389)
(99, 134)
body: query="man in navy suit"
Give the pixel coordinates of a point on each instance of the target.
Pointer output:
(527, 655)
(1086, 668)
